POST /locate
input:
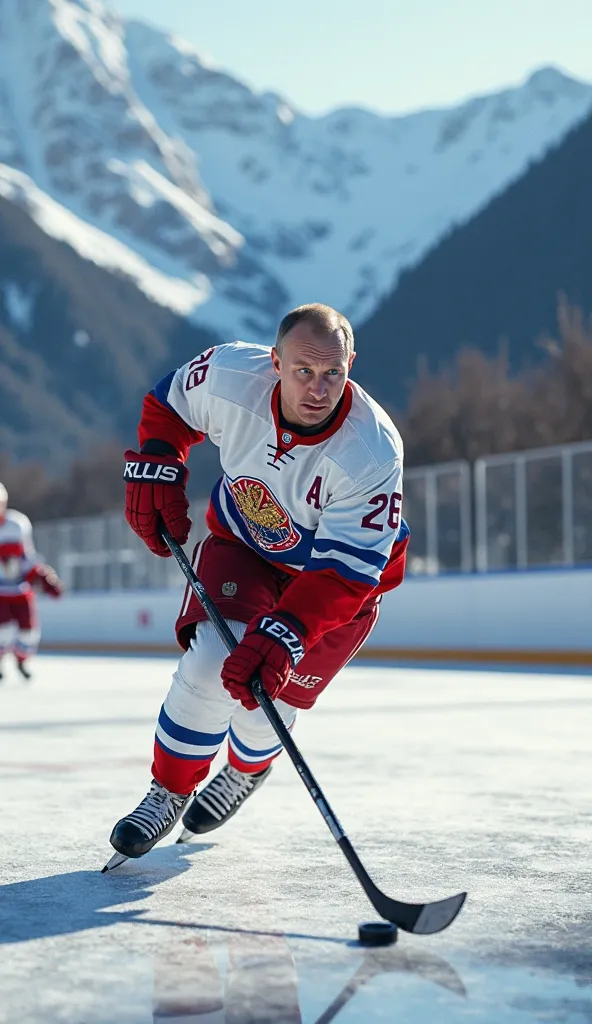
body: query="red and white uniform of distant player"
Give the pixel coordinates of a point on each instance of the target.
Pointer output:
(306, 525)
(20, 571)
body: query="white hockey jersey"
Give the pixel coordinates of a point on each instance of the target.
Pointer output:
(330, 500)
(17, 553)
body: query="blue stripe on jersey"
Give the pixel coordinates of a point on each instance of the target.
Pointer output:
(342, 569)
(404, 531)
(161, 390)
(247, 750)
(363, 554)
(179, 732)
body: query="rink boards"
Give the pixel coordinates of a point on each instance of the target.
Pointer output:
(537, 618)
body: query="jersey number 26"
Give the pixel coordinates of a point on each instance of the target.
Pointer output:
(394, 511)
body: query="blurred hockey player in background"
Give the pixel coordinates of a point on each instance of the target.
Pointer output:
(305, 535)
(20, 572)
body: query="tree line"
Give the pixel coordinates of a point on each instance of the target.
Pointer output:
(478, 407)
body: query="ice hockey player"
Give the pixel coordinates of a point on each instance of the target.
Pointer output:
(305, 535)
(20, 572)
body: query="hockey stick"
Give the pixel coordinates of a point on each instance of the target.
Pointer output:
(420, 918)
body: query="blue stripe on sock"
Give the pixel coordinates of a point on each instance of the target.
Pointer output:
(261, 754)
(179, 732)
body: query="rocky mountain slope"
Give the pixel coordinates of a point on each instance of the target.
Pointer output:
(497, 278)
(79, 347)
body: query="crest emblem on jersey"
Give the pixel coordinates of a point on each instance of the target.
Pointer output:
(268, 523)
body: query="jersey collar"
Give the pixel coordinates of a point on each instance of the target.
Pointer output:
(288, 437)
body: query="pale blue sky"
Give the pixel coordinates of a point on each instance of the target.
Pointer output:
(386, 54)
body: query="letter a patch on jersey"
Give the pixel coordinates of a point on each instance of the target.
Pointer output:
(267, 522)
(314, 495)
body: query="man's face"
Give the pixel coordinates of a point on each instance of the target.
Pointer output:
(313, 370)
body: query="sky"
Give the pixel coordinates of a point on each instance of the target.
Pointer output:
(388, 55)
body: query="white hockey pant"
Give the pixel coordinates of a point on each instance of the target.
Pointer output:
(198, 714)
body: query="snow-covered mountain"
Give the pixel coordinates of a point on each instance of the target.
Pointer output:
(227, 205)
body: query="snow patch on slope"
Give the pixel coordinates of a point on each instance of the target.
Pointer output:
(183, 297)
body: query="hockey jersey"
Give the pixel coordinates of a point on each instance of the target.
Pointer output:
(17, 553)
(324, 507)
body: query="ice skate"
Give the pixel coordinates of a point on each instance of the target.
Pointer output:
(24, 671)
(152, 820)
(219, 800)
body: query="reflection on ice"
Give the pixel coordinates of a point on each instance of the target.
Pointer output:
(253, 979)
(187, 984)
(271, 979)
(375, 962)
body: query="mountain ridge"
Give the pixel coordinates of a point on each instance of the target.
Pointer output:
(247, 206)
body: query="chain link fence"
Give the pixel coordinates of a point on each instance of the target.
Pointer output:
(534, 508)
(103, 553)
(437, 507)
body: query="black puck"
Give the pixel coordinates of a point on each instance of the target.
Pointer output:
(377, 933)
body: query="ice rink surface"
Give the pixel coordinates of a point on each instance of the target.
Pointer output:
(444, 780)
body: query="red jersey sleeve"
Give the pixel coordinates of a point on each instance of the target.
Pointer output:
(161, 422)
(323, 599)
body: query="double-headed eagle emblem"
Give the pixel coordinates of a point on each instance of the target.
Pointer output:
(266, 520)
(257, 506)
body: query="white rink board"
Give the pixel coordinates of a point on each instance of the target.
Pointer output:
(531, 611)
(549, 610)
(134, 617)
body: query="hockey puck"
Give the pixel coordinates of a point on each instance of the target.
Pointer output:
(377, 933)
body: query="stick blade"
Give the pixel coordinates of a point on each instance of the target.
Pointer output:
(417, 918)
(435, 917)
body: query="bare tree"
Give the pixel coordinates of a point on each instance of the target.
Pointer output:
(478, 408)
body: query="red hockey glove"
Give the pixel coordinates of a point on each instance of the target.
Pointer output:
(155, 490)
(47, 578)
(271, 647)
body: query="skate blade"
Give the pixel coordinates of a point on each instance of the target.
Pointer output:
(115, 862)
(185, 836)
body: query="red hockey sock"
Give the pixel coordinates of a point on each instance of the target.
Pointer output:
(178, 774)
